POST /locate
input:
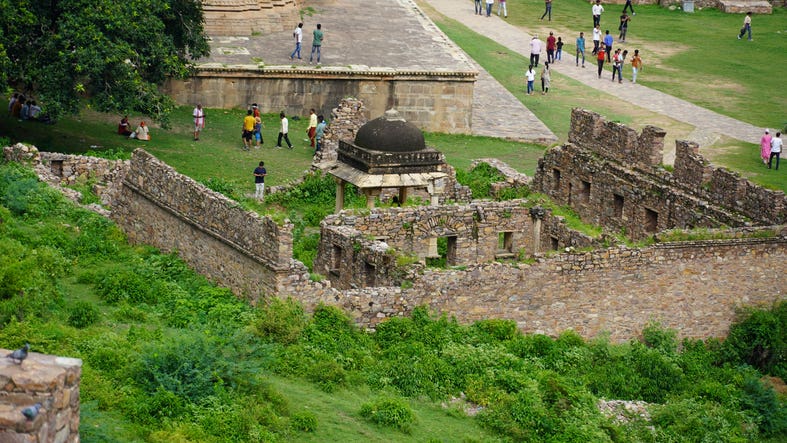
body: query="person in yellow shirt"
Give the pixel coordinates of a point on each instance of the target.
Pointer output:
(248, 130)
(312, 131)
(636, 66)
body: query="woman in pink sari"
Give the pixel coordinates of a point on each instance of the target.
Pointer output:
(765, 146)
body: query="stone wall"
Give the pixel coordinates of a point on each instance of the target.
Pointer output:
(247, 17)
(360, 251)
(611, 176)
(433, 101)
(46, 379)
(236, 248)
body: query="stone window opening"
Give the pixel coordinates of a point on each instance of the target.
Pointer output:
(445, 253)
(336, 260)
(556, 179)
(505, 245)
(555, 244)
(617, 205)
(584, 191)
(56, 166)
(651, 221)
(370, 274)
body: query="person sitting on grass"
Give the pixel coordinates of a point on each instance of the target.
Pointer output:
(141, 133)
(124, 127)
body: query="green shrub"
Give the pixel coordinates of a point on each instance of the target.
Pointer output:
(760, 339)
(700, 421)
(480, 179)
(391, 412)
(281, 321)
(304, 421)
(660, 338)
(496, 329)
(82, 314)
(772, 413)
(118, 285)
(328, 375)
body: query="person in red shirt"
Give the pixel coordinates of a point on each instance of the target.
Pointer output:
(601, 56)
(551, 45)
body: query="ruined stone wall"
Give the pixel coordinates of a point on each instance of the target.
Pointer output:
(611, 177)
(247, 17)
(433, 101)
(360, 251)
(46, 379)
(239, 249)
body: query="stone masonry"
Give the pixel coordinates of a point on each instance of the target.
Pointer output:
(246, 17)
(46, 379)
(612, 177)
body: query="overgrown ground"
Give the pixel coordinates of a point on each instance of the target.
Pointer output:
(168, 357)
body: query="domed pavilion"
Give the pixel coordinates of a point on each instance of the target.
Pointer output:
(388, 152)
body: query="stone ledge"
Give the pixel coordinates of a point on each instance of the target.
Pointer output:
(353, 71)
(743, 6)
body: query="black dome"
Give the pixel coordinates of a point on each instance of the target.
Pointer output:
(390, 133)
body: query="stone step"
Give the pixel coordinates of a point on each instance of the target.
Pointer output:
(744, 6)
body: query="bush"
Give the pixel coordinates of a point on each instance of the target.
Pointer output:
(390, 412)
(304, 421)
(328, 375)
(760, 339)
(281, 321)
(83, 314)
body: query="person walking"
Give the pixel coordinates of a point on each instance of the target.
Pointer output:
(765, 146)
(297, 34)
(551, 46)
(617, 66)
(746, 26)
(479, 10)
(623, 27)
(320, 132)
(629, 5)
(600, 57)
(596, 38)
(581, 48)
(597, 10)
(284, 129)
(559, 49)
(259, 181)
(547, 9)
(535, 50)
(312, 131)
(530, 75)
(636, 66)
(248, 130)
(317, 37)
(501, 4)
(608, 42)
(776, 150)
(545, 78)
(258, 132)
(489, 4)
(199, 120)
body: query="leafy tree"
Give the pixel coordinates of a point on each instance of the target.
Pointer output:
(114, 54)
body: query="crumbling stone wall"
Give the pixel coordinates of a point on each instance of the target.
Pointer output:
(360, 251)
(242, 250)
(46, 379)
(611, 176)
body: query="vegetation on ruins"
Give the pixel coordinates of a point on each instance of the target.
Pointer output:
(170, 357)
(63, 52)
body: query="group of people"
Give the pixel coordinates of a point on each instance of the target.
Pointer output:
(25, 109)
(142, 132)
(501, 7)
(771, 147)
(252, 129)
(317, 38)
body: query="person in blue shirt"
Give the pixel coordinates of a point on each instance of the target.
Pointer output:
(581, 48)
(259, 181)
(320, 132)
(608, 40)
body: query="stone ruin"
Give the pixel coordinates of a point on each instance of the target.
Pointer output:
(246, 17)
(613, 177)
(46, 379)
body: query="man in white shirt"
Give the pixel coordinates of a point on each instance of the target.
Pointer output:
(535, 50)
(596, 38)
(283, 130)
(597, 10)
(776, 150)
(199, 120)
(298, 35)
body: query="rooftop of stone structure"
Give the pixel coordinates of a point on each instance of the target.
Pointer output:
(390, 133)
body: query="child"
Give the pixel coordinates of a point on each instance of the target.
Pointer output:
(559, 52)
(258, 131)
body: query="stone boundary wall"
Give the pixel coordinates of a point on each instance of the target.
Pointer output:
(437, 101)
(240, 249)
(611, 177)
(46, 379)
(246, 17)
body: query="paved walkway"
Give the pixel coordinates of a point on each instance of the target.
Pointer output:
(387, 33)
(708, 123)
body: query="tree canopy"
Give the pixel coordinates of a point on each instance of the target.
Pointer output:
(111, 55)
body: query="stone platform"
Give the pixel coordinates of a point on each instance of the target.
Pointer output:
(744, 6)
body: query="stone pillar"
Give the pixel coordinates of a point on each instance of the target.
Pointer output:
(46, 379)
(371, 194)
(537, 214)
(340, 185)
(402, 195)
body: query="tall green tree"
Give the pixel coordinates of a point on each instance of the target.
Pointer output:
(110, 54)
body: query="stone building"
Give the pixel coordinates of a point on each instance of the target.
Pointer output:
(246, 17)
